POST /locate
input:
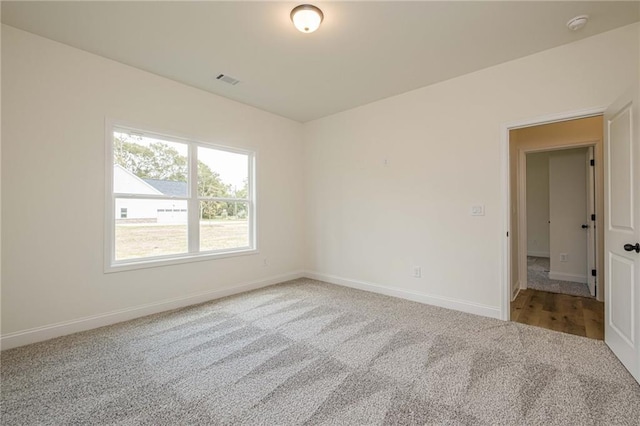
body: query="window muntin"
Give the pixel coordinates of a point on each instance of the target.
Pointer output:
(175, 199)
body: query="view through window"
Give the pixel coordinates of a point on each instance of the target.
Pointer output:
(175, 199)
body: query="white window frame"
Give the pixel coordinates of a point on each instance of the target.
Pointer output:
(193, 203)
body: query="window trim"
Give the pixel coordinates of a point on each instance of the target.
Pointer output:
(192, 199)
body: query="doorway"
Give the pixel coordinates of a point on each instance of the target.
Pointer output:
(558, 210)
(556, 195)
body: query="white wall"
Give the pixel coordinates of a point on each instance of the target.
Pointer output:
(567, 212)
(148, 209)
(54, 102)
(538, 204)
(370, 222)
(125, 182)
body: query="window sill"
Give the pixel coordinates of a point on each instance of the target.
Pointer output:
(173, 260)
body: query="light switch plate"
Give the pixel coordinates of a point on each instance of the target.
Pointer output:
(477, 210)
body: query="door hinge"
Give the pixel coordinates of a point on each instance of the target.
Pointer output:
(507, 233)
(592, 162)
(593, 273)
(593, 217)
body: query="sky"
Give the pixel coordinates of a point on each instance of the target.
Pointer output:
(233, 168)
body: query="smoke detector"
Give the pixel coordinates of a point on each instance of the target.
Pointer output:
(578, 22)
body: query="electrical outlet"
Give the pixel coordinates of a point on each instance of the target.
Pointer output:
(417, 272)
(564, 257)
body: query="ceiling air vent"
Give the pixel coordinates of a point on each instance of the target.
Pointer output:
(227, 79)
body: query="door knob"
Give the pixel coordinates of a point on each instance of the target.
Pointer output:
(631, 247)
(585, 226)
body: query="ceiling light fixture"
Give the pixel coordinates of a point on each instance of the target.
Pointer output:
(306, 18)
(578, 22)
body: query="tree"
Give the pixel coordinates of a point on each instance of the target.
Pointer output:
(240, 209)
(155, 161)
(244, 192)
(210, 185)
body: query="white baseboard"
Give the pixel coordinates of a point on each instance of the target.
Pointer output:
(538, 253)
(441, 301)
(38, 334)
(522, 285)
(561, 276)
(514, 293)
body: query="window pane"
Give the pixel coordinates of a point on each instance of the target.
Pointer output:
(144, 165)
(223, 225)
(222, 173)
(151, 228)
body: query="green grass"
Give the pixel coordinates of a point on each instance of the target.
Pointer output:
(146, 240)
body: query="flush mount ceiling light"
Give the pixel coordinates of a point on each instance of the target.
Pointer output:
(578, 22)
(306, 18)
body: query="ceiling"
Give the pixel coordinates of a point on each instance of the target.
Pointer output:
(364, 51)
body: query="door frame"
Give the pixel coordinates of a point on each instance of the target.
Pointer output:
(505, 231)
(521, 183)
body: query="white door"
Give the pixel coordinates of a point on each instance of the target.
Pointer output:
(590, 223)
(622, 230)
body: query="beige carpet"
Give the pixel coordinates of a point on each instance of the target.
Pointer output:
(538, 279)
(307, 352)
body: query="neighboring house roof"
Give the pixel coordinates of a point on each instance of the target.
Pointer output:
(168, 187)
(127, 183)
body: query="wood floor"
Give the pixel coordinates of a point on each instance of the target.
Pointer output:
(577, 315)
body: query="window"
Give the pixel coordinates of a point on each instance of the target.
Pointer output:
(182, 200)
